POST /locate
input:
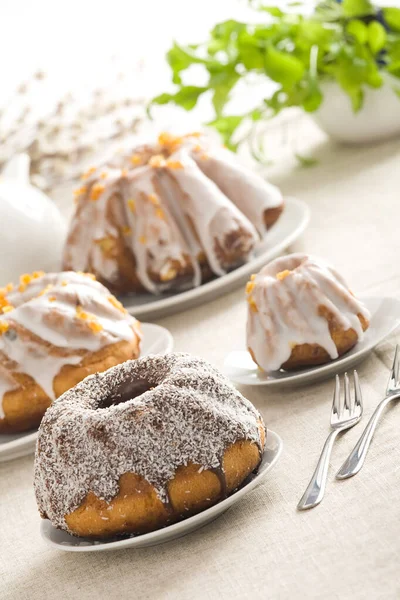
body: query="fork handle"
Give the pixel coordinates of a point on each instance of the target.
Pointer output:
(316, 488)
(356, 458)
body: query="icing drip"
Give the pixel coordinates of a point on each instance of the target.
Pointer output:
(210, 212)
(55, 320)
(169, 210)
(284, 310)
(252, 194)
(189, 414)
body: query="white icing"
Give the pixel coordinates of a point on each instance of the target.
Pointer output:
(287, 309)
(156, 240)
(199, 215)
(209, 211)
(34, 360)
(45, 331)
(252, 194)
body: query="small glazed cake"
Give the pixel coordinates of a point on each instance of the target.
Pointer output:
(142, 445)
(169, 216)
(56, 329)
(301, 313)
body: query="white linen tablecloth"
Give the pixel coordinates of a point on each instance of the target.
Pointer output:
(262, 547)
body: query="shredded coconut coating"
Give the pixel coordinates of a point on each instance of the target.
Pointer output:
(189, 413)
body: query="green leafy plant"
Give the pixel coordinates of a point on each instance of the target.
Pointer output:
(351, 42)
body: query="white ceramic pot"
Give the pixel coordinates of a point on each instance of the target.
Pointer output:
(32, 231)
(378, 119)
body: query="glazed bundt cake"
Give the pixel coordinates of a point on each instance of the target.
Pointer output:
(301, 313)
(142, 445)
(56, 329)
(169, 216)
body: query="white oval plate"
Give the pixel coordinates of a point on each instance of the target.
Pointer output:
(156, 340)
(64, 541)
(289, 227)
(385, 318)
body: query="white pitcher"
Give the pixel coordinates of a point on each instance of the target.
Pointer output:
(32, 230)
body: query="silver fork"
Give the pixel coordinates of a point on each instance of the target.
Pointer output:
(343, 416)
(356, 458)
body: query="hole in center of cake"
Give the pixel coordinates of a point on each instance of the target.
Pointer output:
(126, 391)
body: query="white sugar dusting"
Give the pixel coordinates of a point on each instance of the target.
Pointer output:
(190, 413)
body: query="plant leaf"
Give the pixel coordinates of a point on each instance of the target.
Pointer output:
(358, 30)
(180, 59)
(306, 161)
(227, 126)
(357, 8)
(376, 36)
(186, 97)
(222, 84)
(391, 16)
(283, 67)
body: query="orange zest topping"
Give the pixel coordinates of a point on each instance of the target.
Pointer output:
(160, 213)
(124, 172)
(64, 283)
(96, 191)
(52, 298)
(252, 304)
(252, 277)
(204, 157)
(153, 199)
(3, 327)
(283, 274)
(131, 205)
(136, 159)
(169, 141)
(126, 230)
(45, 290)
(142, 239)
(249, 287)
(88, 173)
(3, 303)
(174, 164)
(91, 319)
(106, 244)
(8, 308)
(157, 161)
(116, 303)
(25, 279)
(103, 175)
(80, 190)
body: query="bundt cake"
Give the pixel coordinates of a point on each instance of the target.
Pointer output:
(301, 313)
(142, 445)
(56, 329)
(169, 216)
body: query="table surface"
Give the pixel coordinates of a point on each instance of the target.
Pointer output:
(263, 547)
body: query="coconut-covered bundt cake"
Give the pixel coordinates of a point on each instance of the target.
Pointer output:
(142, 445)
(56, 329)
(169, 216)
(300, 313)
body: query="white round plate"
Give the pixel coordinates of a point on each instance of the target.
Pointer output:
(156, 340)
(385, 318)
(289, 227)
(63, 541)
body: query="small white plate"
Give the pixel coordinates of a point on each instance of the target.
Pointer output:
(63, 541)
(156, 340)
(289, 227)
(385, 318)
